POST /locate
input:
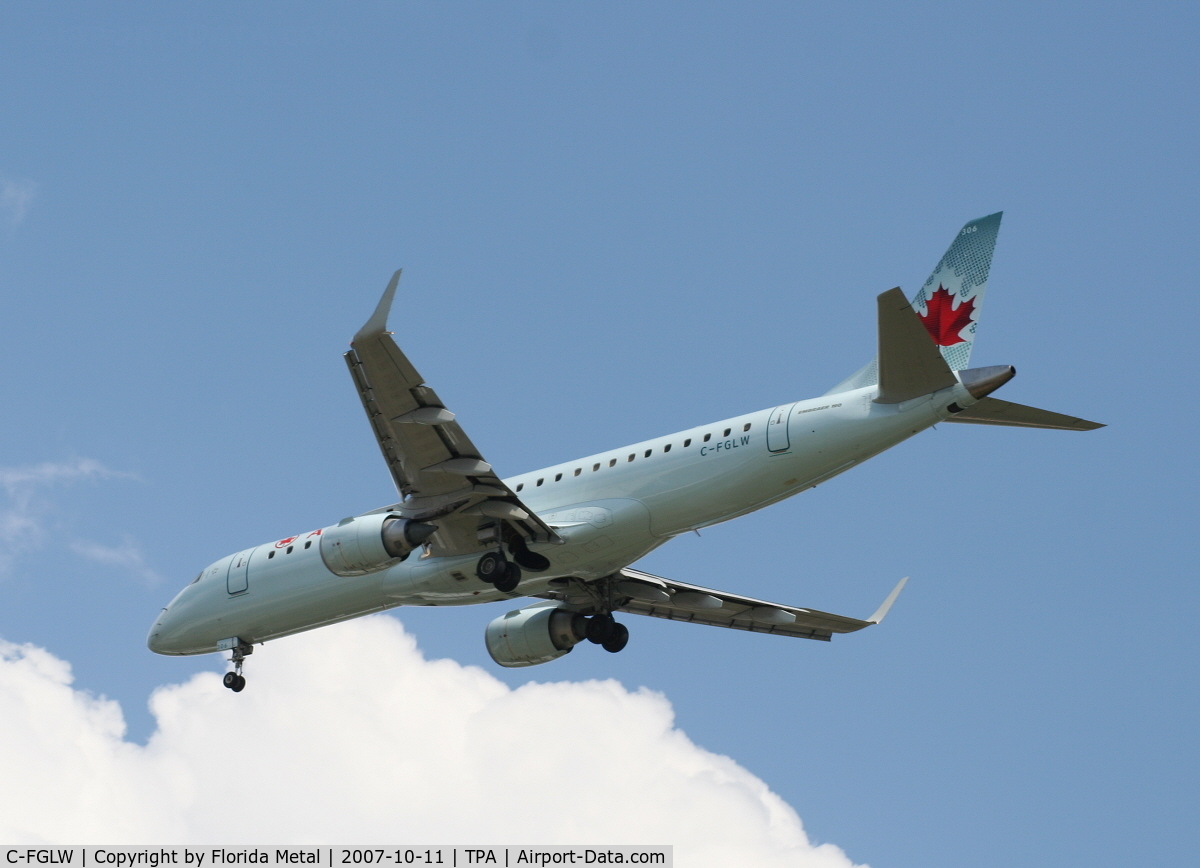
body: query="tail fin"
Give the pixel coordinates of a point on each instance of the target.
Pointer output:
(948, 304)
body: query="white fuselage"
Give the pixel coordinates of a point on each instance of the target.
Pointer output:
(609, 509)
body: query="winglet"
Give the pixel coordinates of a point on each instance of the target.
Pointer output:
(377, 324)
(887, 603)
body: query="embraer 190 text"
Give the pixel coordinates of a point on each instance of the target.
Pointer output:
(566, 535)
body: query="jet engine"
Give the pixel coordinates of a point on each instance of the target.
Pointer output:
(537, 634)
(367, 543)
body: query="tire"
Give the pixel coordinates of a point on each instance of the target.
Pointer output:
(490, 567)
(617, 640)
(507, 583)
(599, 628)
(240, 685)
(230, 679)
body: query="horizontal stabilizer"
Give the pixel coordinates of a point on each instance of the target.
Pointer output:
(992, 411)
(909, 362)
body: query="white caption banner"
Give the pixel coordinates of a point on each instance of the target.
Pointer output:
(348, 856)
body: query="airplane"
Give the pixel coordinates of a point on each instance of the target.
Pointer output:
(566, 536)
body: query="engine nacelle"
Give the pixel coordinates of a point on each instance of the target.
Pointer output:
(534, 635)
(369, 543)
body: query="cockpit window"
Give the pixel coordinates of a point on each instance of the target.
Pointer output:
(198, 578)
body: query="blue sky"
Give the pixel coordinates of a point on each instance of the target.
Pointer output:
(617, 221)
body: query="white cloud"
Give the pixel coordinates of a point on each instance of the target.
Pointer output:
(18, 479)
(21, 518)
(16, 195)
(347, 734)
(126, 556)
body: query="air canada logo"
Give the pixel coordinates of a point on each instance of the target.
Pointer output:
(943, 321)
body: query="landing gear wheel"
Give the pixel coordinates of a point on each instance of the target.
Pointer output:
(617, 639)
(234, 680)
(599, 628)
(508, 581)
(491, 567)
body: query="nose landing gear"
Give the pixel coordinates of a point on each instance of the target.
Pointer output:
(234, 680)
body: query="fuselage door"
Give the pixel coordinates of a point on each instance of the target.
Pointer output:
(238, 580)
(777, 429)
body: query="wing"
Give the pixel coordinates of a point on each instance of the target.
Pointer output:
(440, 475)
(643, 594)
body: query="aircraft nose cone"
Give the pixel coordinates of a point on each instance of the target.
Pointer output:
(163, 634)
(981, 382)
(153, 638)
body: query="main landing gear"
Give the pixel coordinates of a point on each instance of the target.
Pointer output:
(593, 604)
(235, 680)
(497, 570)
(607, 632)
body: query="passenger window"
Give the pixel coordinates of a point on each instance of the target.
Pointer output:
(727, 430)
(612, 463)
(648, 451)
(558, 477)
(308, 544)
(746, 427)
(270, 555)
(540, 481)
(707, 437)
(289, 550)
(687, 442)
(578, 470)
(632, 456)
(595, 467)
(667, 448)
(519, 487)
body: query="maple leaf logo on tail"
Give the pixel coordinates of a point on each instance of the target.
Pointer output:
(943, 321)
